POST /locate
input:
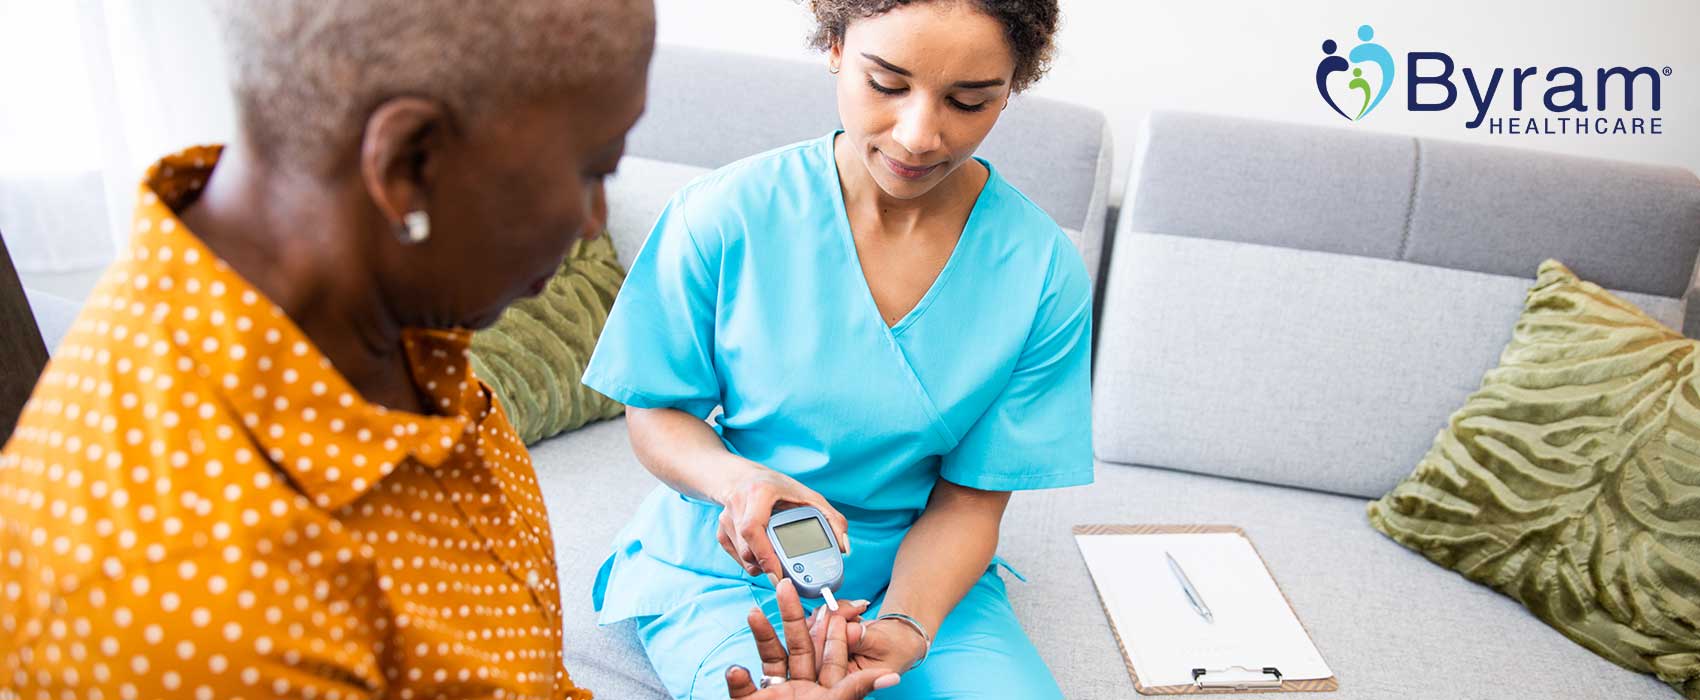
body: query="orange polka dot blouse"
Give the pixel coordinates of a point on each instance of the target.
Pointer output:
(195, 504)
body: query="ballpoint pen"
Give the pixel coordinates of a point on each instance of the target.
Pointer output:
(1192, 595)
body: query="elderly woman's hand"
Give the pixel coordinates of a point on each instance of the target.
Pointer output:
(811, 671)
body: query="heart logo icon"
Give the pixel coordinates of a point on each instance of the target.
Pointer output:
(1360, 99)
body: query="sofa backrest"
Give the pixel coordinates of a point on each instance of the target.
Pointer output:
(709, 108)
(1306, 306)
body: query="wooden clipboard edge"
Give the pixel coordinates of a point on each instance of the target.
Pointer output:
(1320, 685)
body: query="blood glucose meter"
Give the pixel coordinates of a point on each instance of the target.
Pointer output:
(808, 550)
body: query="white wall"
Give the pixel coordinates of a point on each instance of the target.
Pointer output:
(1258, 58)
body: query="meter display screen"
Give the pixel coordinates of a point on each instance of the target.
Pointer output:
(802, 537)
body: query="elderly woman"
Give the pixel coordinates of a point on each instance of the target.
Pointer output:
(895, 336)
(259, 465)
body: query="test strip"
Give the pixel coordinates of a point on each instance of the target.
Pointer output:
(831, 601)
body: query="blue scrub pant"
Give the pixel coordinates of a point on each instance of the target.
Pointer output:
(981, 652)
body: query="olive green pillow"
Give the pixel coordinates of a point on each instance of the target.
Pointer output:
(1570, 480)
(534, 355)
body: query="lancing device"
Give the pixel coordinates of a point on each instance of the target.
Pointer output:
(808, 551)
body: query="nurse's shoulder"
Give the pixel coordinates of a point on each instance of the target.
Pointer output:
(1038, 249)
(723, 206)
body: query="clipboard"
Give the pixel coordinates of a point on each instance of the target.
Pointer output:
(1233, 679)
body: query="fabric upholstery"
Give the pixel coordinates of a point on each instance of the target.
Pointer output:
(1374, 608)
(1462, 206)
(1389, 623)
(1621, 225)
(636, 195)
(1571, 480)
(1290, 366)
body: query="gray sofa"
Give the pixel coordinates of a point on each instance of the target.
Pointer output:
(1288, 315)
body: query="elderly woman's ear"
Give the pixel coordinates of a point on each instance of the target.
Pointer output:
(399, 154)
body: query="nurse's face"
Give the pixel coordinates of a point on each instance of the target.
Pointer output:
(919, 88)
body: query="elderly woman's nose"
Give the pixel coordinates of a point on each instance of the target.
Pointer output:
(918, 129)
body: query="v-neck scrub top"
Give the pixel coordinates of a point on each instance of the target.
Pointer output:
(748, 295)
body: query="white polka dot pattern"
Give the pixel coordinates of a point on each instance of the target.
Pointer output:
(195, 504)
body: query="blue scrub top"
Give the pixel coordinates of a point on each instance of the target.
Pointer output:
(748, 295)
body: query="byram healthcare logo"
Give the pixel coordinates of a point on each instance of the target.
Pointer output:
(1366, 53)
(1353, 85)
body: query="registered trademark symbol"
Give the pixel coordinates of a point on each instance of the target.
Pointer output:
(1667, 71)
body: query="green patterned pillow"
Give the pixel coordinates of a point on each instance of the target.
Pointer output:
(1570, 480)
(534, 355)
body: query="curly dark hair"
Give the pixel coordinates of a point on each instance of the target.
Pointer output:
(1029, 25)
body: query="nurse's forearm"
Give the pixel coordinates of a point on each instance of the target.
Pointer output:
(684, 452)
(946, 551)
(688, 456)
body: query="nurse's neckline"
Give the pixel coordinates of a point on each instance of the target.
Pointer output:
(847, 234)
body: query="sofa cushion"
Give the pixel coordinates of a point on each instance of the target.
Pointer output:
(1326, 371)
(1389, 623)
(1374, 608)
(1462, 206)
(637, 193)
(1622, 225)
(533, 357)
(1568, 481)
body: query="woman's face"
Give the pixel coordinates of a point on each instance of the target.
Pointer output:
(508, 199)
(919, 88)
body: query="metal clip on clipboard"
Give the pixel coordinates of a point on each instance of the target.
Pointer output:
(1236, 678)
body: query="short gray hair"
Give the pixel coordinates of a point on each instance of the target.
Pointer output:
(306, 73)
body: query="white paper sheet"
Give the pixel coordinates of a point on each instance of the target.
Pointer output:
(1254, 626)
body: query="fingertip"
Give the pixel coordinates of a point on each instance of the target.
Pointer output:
(886, 681)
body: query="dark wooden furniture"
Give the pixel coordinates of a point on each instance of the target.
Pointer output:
(22, 352)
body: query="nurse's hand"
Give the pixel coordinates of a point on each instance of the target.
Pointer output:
(893, 645)
(794, 660)
(748, 504)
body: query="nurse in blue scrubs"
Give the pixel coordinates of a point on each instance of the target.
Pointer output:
(893, 333)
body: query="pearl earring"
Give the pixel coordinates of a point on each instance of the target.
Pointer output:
(417, 227)
(833, 70)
